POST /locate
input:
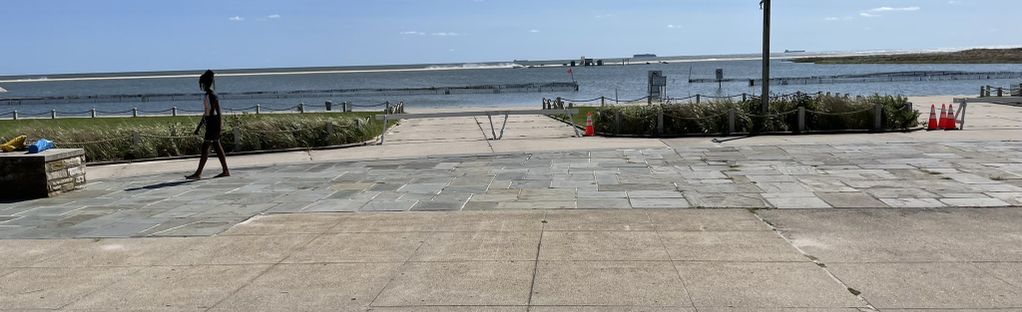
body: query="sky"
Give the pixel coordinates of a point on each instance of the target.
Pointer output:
(77, 36)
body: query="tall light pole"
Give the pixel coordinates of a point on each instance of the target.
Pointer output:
(765, 96)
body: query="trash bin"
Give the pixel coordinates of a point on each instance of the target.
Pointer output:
(329, 105)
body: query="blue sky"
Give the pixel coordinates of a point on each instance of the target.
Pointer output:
(66, 36)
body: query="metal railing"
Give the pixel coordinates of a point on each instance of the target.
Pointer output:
(384, 107)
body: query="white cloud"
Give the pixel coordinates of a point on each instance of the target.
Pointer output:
(865, 14)
(413, 33)
(672, 26)
(446, 34)
(236, 19)
(952, 2)
(534, 30)
(831, 19)
(273, 16)
(604, 16)
(890, 9)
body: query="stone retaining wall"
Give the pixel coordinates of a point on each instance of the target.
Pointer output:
(46, 174)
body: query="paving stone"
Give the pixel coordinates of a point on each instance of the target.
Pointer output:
(612, 203)
(851, 200)
(729, 246)
(663, 202)
(795, 200)
(974, 202)
(358, 247)
(389, 205)
(912, 202)
(726, 200)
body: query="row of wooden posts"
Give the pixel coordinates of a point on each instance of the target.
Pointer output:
(988, 91)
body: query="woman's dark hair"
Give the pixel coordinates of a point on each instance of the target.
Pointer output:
(206, 81)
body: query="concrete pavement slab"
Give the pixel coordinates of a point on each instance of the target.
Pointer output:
(389, 222)
(764, 284)
(609, 309)
(602, 245)
(598, 220)
(478, 246)
(729, 246)
(459, 283)
(450, 308)
(509, 221)
(359, 247)
(326, 286)
(706, 220)
(232, 250)
(54, 288)
(928, 285)
(173, 287)
(594, 283)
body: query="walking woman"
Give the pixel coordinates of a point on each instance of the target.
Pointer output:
(213, 122)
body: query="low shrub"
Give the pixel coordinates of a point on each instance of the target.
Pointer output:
(822, 113)
(113, 139)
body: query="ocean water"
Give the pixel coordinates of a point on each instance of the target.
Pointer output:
(625, 82)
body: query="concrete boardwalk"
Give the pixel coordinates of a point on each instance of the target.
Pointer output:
(543, 222)
(551, 260)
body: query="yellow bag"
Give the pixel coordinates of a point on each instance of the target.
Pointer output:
(16, 144)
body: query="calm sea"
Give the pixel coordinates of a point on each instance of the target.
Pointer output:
(625, 82)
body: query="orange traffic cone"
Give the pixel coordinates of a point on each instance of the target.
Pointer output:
(943, 116)
(952, 123)
(590, 131)
(932, 124)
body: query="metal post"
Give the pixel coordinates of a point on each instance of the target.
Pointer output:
(878, 115)
(660, 122)
(93, 112)
(982, 90)
(502, 126)
(492, 130)
(617, 123)
(697, 98)
(603, 101)
(731, 121)
(134, 112)
(53, 114)
(1000, 92)
(744, 97)
(301, 108)
(383, 134)
(258, 108)
(173, 111)
(766, 57)
(801, 119)
(14, 114)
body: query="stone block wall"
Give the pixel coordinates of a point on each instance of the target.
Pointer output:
(46, 174)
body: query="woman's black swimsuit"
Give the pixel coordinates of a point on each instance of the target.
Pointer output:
(213, 120)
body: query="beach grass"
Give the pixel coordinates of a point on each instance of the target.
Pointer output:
(128, 138)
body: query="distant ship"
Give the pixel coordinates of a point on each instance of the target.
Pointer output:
(794, 51)
(645, 55)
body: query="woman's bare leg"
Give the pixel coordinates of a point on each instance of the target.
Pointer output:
(202, 162)
(223, 159)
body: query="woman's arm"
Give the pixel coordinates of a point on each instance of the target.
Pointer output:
(205, 112)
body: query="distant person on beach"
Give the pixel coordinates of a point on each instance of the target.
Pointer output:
(213, 122)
